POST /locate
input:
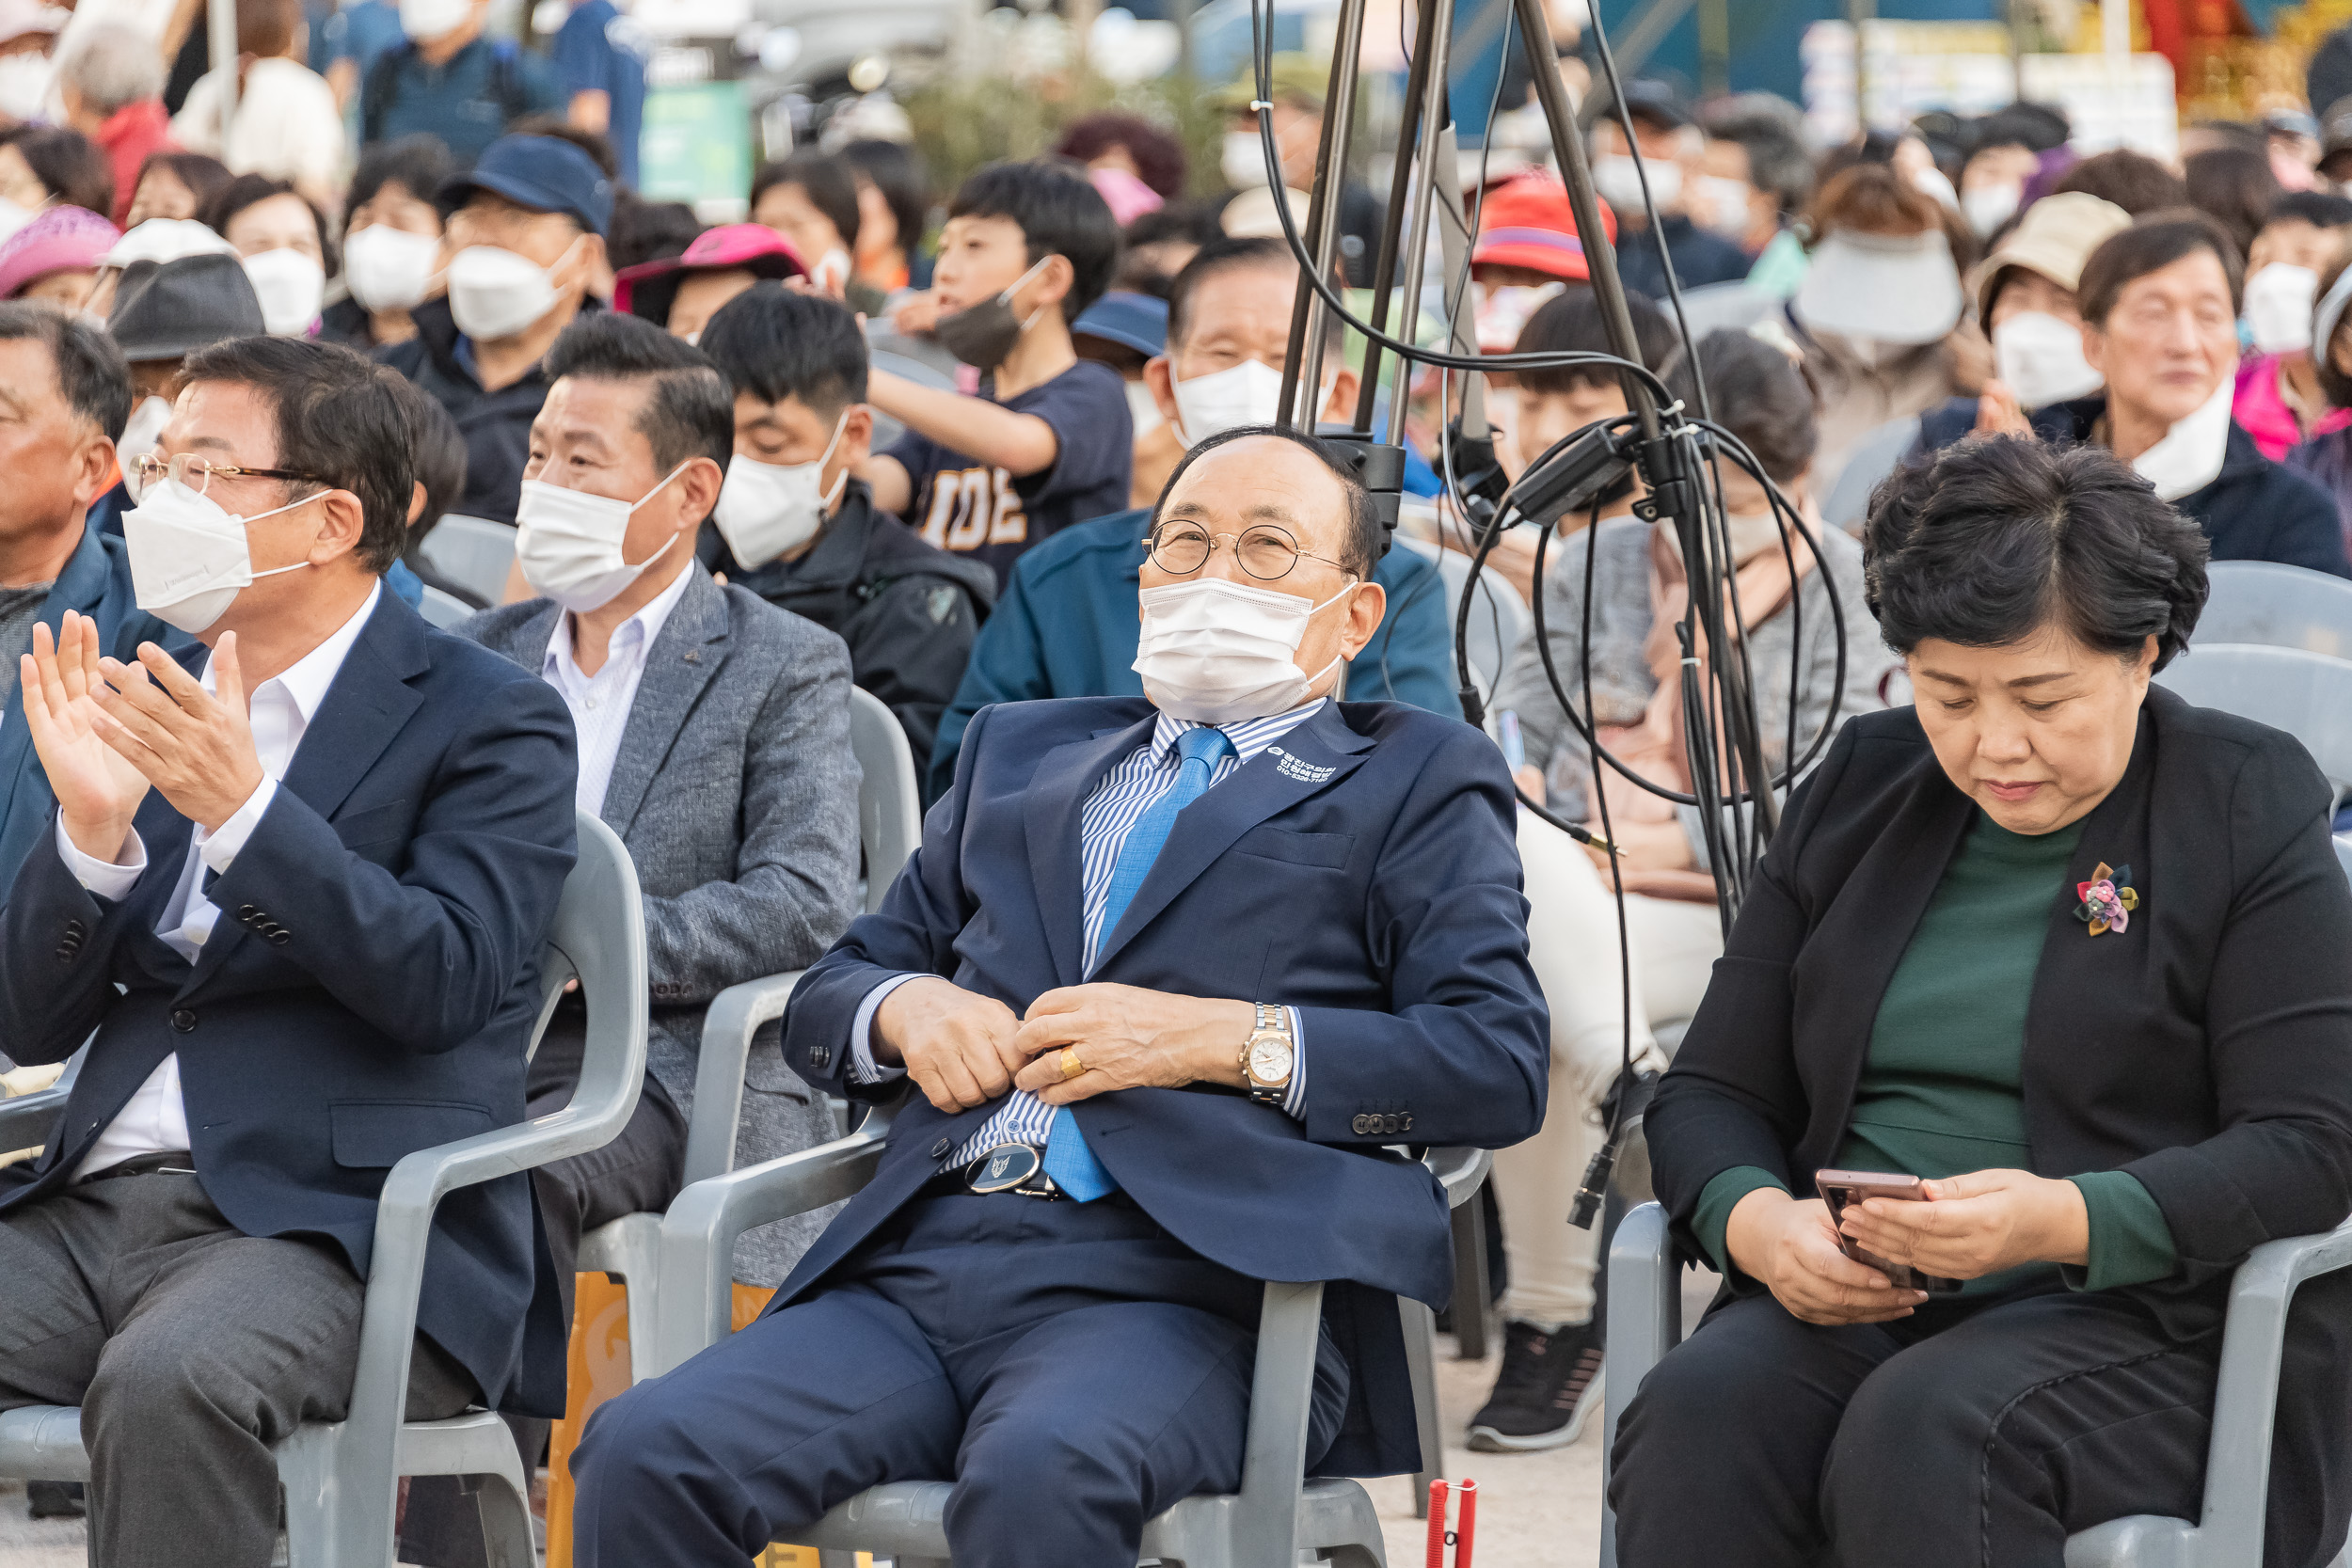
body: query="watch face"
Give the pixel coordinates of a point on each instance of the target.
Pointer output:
(1269, 1060)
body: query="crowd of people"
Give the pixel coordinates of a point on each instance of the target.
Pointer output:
(1022, 443)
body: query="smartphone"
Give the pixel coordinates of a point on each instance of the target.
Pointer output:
(1840, 1187)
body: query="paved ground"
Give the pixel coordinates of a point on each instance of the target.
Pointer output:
(1535, 1510)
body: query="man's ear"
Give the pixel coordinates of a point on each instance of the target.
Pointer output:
(2096, 348)
(94, 469)
(1363, 617)
(598, 266)
(697, 487)
(1340, 407)
(1160, 376)
(342, 521)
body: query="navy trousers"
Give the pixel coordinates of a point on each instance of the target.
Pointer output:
(1072, 1368)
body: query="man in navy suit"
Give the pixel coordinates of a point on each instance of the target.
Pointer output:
(1171, 977)
(298, 888)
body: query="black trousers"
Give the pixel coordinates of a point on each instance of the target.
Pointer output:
(1965, 1436)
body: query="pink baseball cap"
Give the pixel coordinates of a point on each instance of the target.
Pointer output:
(57, 239)
(649, 288)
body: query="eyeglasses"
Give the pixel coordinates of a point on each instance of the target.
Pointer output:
(198, 473)
(1263, 551)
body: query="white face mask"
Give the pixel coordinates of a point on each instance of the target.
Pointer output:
(1215, 651)
(1143, 409)
(139, 435)
(832, 272)
(1988, 207)
(1721, 204)
(1243, 161)
(388, 268)
(291, 287)
(568, 542)
(2192, 451)
(24, 85)
(189, 555)
(2279, 302)
(426, 20)
(766, 509)
(1619, 177)
(2039, 357)
(495, 293)
(1503, 311)
(1247, 393)
(13, 216)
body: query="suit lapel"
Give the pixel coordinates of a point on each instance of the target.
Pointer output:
(366, 706)
(1308, 760)
(1051, 814)
(692, 646)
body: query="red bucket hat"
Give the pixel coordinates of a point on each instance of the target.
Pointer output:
(1527, 222)
(649, 288)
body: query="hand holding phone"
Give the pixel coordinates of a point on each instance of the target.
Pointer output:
(1839, 1188)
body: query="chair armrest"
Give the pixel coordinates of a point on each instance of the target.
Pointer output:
(1645, 1323)
(734, 1016)
(27, 1120)
(694, 1300)
(1281, 1402)
(1460, 1171)
(2237, 1473)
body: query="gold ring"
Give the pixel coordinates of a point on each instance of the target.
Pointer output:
(1071, 1066)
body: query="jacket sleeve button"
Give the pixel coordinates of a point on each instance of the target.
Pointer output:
(939, 1149)
(182, 1019)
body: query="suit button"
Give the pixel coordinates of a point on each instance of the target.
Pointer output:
(65, 954)
(279, 936)
(1362, 1125)
(1405, 1123)
(76, 930)
(939, 1149)
(246, 912)
(820, 1056)
(183, 1020)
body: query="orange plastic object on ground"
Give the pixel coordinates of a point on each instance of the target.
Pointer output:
(1465, 1528)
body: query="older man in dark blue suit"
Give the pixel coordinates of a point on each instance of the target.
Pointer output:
(1171, 977)
(297, 887)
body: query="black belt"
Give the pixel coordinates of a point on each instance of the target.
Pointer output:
(1008, 1167)
(170, 1161)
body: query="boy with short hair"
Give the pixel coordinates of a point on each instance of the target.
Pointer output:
(793, 527)
(1047, 442)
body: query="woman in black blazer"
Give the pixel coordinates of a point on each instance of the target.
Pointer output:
(2080, 954)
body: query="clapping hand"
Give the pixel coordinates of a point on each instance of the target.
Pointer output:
(194, 745)
(98, 788)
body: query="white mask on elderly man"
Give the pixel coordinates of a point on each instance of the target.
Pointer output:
(568, 542)
(1617, 176)
(189, 554)
(1143, 410)
(1988, 207)
(24, 84)
(1247, 393)
(1217, 652)
(766, 509)
(1242, 161)
(495, 293)
(388, 268)
(2191, 453)
(2279, 301)
(2039, 357)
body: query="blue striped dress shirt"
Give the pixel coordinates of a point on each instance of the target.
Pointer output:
(1126, 792)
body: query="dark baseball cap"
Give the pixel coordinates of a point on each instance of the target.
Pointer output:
(545, 174)
(1130, 319)
(169, 309)
(1651, 99)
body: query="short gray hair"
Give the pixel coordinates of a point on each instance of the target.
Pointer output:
(112, 67)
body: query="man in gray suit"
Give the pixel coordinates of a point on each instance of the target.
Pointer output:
(714, 736)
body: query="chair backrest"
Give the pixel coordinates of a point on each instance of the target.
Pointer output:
(2343, 853)
(2308, 695)
(474, 551)
(443, 609)
(1873, 459)
(889, 804)
(2277, 605)
(1498, 617)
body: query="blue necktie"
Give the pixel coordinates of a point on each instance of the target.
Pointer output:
(1068, 1160)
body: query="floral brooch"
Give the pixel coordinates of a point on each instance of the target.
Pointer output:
(2108, 899)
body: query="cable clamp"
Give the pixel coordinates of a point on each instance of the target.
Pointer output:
(1259, 106)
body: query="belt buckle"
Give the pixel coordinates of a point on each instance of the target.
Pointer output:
(1012, 1169)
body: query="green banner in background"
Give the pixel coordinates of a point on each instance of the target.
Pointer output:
(696, 145)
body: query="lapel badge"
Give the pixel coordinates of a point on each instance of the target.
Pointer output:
(2108, 899)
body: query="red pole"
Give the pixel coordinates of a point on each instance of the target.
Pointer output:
(1437, 1523)
(1466, 1527)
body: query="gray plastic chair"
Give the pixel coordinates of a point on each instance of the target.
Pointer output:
(627, 1250)
(2279, 607)
(2308, 695)
(1873, 459)
(443, 609)
(1275, 1517)
(1646, 1321)
(340, 1479)
(1498, 617)
(475, 551)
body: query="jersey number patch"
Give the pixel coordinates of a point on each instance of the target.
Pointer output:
(974, 507)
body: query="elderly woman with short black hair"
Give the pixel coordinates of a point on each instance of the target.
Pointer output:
(2078, 954)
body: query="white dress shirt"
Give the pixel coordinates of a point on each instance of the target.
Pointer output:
(600, 702)
(1111, 811)
(280, 710)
